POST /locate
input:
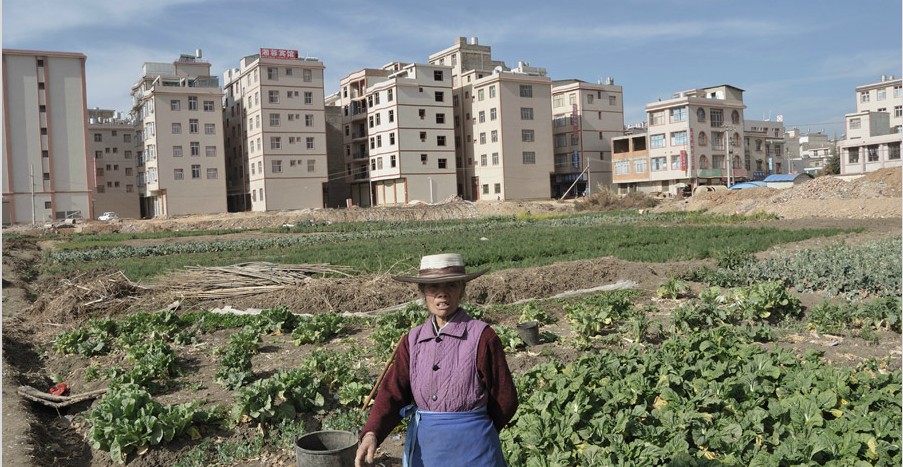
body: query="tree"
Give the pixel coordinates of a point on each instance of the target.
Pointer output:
(833, 165)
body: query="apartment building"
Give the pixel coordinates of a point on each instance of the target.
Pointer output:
(585, 117)
(275, 132)
(178, 113)
(692, 139)
(763, 154)
(807, 152)
(336, 192)
(352, 99)
(873, 132)
(47, 173)
(411, 136)
(110, 143)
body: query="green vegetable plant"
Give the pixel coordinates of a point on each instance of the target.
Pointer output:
(278, 320)
(673, 288)
(279, 397)
(235, 358)
(532, 312)
(511, 341)
(318, 328)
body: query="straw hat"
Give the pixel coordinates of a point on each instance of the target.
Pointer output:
(436, 269)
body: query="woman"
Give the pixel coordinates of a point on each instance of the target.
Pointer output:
(449, 375)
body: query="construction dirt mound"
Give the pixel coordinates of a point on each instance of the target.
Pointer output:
(875, 195)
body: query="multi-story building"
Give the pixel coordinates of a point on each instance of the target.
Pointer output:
(336, 185)
(178, 115)
(585, 118)
(275, 126)
(512, 136)
(352, 99)
(115, 167)
(873, 132)
(807, 152)
(46, 169)
(692, 139)
(763, 146)
(411, 136)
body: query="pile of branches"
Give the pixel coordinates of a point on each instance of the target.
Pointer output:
(246, 278)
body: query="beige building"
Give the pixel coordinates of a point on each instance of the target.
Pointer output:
(177, 110)
(763, 145)
(47, 174)
(501, 124)
(275, 136)
(873, 132)
(110, 140)
(585, 117)
(410, 139)
(692, 139)
(807, 152)
(352, 99)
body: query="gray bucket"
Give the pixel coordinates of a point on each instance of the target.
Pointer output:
(326, 449)
(529, 332)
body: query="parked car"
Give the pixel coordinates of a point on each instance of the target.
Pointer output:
(107, 216)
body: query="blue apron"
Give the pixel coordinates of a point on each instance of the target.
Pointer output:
(451, 439)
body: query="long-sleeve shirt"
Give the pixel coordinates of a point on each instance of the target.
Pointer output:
(395, 390)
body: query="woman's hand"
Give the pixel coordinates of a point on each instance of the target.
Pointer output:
(366, 450)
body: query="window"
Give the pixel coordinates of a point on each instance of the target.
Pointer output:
(493, 114)
(483, 138)
(589, 98)
(703, 162)
(98, 137)
(437, 75)
(853, 156)
(483, 160)
(526, 90)
(309, 142)
(210, 151)
(391, 116)
(275, 142)
(898, 91)
(390, 95)
(127, 138)
(440, 140)
(735, 117)
(495, 158)
(274, 97)
(209, 129)
(498, 187)
(208, 106)
(370, 121)
(525, 136)
(717, 117)
(492, 91)
(494, 136)
(440, 96)
(657, 141)
(273, 73)
(391, 139)
(675, 162)
(192, 102)
(99, 171)
(195, 148)
(178, 174)
(421, 113)
(175, 105)
(864, 96)
(855, 123)
(277, 166)
(612, 100)
(312, 165)
(423, 159)
(479, 94)
(307, 75)
(392, 161)
(481, 117)
(678, 138)
(558, 101)
(717, 140)
(882, 94)
(442, 163)
(422, 136)
(176, 128)
(622, 167)
(379, 141)
(485, 188)
(657, 118)
(526, 113)
(308, 97)
(193, 126)
(440, 118)
(703, 140)
(679, 114)
(872, 152)
(309, 119)
(212, 174)
(758, 145)
(898, 111)
(177, 151)
(639, 166)
(195, 171)
(893, 151)
(700, 115)
(129, 188)
(274, 119)
(659, 163)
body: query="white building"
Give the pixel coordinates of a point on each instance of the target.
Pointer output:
(873, 132)
(47, 173)
(115, 165)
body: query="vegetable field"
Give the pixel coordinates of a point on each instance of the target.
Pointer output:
(731, 341)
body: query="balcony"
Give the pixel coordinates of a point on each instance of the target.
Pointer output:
(360, 155)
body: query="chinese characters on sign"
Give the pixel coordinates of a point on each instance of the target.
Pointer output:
(278, 53)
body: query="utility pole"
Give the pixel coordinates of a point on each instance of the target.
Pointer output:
(33, 219)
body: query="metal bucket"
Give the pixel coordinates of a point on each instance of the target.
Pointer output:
(529, 332)
(326, 449)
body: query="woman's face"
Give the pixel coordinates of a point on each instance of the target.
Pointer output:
(443, 299)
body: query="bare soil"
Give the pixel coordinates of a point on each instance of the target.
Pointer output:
(36, 309)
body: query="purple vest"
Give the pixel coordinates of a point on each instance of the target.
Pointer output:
(443, 371)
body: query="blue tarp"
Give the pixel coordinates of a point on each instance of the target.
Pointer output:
(785, 177)
(741, 185)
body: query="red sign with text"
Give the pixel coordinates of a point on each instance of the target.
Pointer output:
(278, 53)
(683, 160)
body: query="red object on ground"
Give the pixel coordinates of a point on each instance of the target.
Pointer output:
(59, 389)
